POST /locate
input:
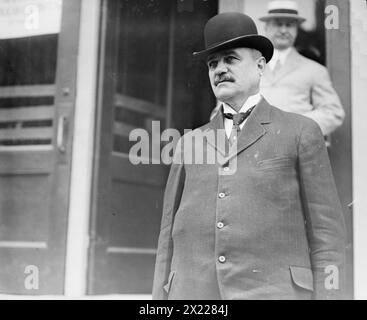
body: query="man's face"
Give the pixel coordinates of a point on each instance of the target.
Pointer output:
(282, 32)
(235, 74)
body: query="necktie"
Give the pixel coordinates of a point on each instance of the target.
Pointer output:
(237, 118)
(277, 66)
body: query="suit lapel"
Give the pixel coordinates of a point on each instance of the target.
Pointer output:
(253, 129)
(220, 142)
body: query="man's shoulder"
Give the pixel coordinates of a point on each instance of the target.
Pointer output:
(309, 63)
(294, 121)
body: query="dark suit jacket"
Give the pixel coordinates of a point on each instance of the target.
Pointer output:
(282, 219)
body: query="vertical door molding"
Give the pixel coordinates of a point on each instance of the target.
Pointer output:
(67, 58)
(83, 148)
(338, 53)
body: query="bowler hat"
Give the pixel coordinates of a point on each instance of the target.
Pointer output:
(233, 30)
(282, 9)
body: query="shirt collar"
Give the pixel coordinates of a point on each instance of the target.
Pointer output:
(250, 102)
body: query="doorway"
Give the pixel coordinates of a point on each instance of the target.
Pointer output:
(146, 74)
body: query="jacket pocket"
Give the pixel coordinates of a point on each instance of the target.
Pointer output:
(275, 163)
(302, 277)
(167, 287)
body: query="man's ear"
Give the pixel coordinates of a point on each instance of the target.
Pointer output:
(261, 64)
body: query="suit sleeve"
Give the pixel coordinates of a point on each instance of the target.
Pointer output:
(328, 111)
(171, 202)
(323, 213)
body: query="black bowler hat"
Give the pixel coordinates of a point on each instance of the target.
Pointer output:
(233, 30)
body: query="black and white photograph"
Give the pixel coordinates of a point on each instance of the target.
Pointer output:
(204, 150)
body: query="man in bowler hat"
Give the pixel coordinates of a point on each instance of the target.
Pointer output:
(264, 221)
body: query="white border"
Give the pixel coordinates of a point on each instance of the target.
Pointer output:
(358, 19)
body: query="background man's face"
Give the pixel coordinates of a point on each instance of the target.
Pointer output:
(235, 74)
(282, 32)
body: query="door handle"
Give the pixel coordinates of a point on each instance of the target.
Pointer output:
(61, 134)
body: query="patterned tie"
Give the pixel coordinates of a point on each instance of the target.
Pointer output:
(237, 118)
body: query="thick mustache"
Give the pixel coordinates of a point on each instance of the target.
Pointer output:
(222, 78)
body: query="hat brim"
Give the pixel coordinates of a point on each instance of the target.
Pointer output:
(283, 15)
(257, 42)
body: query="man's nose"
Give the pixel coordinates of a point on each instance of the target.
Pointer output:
(221, 67)
(283, 28)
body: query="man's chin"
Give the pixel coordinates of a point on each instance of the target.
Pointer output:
(282, 45)
(223, 90)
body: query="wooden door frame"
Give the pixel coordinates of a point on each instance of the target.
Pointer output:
(83, 150)
(101, 184)
(338, 58)
(65, 83)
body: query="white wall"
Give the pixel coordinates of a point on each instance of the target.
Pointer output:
(359, 134)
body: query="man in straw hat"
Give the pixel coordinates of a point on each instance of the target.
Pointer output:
(293, 82)
(264, 221)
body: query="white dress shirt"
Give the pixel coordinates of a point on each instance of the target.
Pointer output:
(250, 102)
(280, 55)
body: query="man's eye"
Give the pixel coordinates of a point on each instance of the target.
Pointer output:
(212, 64)
(230, 59)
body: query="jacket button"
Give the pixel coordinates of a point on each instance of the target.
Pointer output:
(222, 259)
(226, 169)
(220, 225)
(222, 195)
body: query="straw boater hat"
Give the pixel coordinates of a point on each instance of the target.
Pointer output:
(233, 30)
(283, 9)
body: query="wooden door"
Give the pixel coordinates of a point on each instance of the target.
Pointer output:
(37, 94)
(147, 74)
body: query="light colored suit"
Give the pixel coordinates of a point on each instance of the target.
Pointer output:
(282, 223)
(303, 86)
